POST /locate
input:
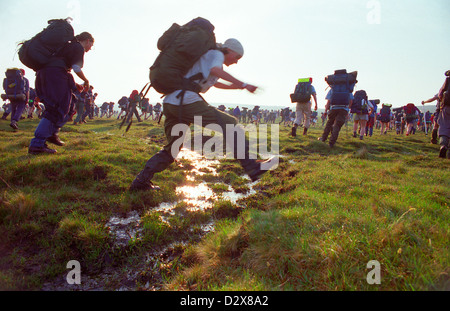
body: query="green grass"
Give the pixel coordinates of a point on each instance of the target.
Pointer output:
(314, 223)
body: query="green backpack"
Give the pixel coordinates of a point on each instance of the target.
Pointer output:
(181, 47)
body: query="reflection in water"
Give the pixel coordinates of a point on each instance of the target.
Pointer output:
(197, 197)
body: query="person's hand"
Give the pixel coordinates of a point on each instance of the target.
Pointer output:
(86, 85)
(250, 88)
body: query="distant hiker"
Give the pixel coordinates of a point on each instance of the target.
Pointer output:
(104, 109)
(88, 104)
(244, 114)
(80, 98)
(237, 113)
(339, 101)
(323, 117)
(133, 100)
(6, 110)
(360, 109)
(412, 114)
(54, 86)
(123, 105)
(385, 117)
(302, 96)
(398, 120)
(434, 132)
(17, 89)
(210, 67)
(110, 109)
(444, 118)
(372, 117)
(255, 115)
(145, 105)
(157, 108)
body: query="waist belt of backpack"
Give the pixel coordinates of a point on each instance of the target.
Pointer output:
(189, 85)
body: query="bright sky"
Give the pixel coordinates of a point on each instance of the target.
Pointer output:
(400, 48)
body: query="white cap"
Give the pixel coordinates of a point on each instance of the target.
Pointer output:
(234, 45)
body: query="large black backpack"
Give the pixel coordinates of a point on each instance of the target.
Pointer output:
(359, 104)
(181, 47)
(302, 92)
(43, 47)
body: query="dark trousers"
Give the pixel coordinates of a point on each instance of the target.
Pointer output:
(54, 87)
(210, 115)
(17, 108)
(336, 118)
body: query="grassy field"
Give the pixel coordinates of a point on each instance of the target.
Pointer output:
(312, 224)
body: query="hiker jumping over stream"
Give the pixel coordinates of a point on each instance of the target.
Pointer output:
(185, 103)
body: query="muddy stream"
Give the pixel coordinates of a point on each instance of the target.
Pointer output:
(197, 197)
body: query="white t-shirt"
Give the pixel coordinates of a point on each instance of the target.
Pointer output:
(209, 60)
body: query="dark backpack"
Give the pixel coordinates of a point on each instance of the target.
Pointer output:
(385, 114)
(181, 47)
(14, 84)
(359, 104)
(385, 111)
(342, 85)
(446, 95)
(43, 47)
(123, 102)
(303, 91)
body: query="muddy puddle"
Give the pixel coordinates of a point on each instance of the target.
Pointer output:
(197, 196)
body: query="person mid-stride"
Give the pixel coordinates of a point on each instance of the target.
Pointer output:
(193, 105)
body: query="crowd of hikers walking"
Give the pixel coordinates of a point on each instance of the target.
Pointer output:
(181, 72)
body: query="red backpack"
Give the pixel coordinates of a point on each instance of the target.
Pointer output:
(134, 96)
(410, 109)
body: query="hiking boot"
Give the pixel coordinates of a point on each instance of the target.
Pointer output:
(55, 140)
(443, 152)
(434, 141)
(354, 134)
(305, 130)
(258, 171)
(13, 124)
(39, 150)
(294, 132)
(361, 137)
(140, 186)
(320, 139)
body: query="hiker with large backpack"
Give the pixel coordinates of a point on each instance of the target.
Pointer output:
(123, 105)
(412, 114)
(339, 101)
(53, 54)
(302, 96)
(17, 89)
(444, 118)
(385, 117)
(360, 109)
(372, 116)
(183, 102)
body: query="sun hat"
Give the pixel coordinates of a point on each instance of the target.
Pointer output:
(234, 45)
